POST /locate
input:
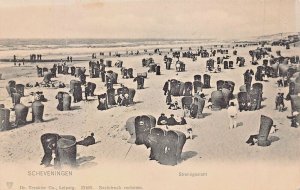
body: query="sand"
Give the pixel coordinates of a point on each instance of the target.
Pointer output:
(213, 144)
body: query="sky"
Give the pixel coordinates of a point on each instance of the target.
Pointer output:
(190, 19)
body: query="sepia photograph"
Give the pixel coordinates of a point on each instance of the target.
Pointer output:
(149, 94)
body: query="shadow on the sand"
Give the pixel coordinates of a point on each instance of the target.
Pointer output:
(273, 138)
(88, 165)
(84, 159)
(76, 108)
(51, 119)
(195, 136)
(138, 102)
(14, 126)
(239, 124)
(187, 155)
(90, 100)
(206, 114)
(262, 106)
(85, 162)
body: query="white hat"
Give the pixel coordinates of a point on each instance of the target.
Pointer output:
(295, 113)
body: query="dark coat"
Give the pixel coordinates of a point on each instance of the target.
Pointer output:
(160, 119)
(172, 121)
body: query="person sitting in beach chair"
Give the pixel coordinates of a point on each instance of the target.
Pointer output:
(102, 99)
(120, 99)
(123, 100)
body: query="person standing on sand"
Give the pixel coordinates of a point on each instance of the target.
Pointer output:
(232, 115)
(281, 102)
(86, 91)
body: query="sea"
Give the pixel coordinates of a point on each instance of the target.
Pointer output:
(32, 44)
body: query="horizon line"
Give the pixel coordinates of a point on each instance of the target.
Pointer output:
(33, 38)
(153, 38)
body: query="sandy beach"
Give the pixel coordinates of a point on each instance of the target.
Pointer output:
(95, 144)
(213, 142)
